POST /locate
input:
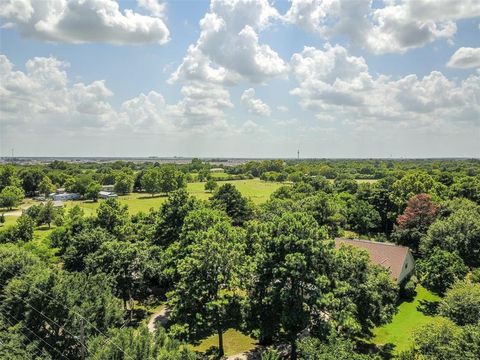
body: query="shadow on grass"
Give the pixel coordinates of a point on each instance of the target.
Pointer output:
(136, 317)
(385, 351)
(146, 197)
(429, 308)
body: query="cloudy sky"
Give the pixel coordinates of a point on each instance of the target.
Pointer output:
(240, 78)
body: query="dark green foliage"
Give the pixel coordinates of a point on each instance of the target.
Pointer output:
(335, 349)
(440, 270)
(462, 303)
(112, 216)
(11, 196)
(229, 199)
(138, 344)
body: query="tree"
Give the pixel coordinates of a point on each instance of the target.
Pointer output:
(123, 183)
(46, 214)
(11, 196)
(459, 232)
(123, 262)
(235, 205)
(207, 290)
(443, 340)
(413, 224)
(413, 183)
(81, 245)
(461, 303)
(46, 186)
(112, 216)
(31, 178)
(152, 181)
(130, 343)
(8, 177)
(93, 190)
(440, 270)
(287, 278)
(335, 348)
(168, 222)
(361, 216)
(211, 185)
(171, 179)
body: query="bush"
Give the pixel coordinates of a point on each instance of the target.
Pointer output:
(408, 290)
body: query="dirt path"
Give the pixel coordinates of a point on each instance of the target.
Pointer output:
(159, 317)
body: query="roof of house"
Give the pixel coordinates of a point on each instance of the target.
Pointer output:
(387, 255)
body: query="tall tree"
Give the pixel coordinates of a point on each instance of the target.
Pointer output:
(235, 205)
(207, 290)
(11, 196)
(413, 224)
(46, 186)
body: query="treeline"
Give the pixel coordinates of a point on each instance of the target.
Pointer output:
(271, 271)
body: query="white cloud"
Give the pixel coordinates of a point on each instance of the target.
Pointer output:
(228, 48)
(282, 108)
(85, 21)
(465, 58)
(42, 94)
(395, 27)
(253, 105)
(155, 7)
(337, 86)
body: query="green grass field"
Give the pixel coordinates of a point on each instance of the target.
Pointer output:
(257, 190)
(408, 319)
(234, 342)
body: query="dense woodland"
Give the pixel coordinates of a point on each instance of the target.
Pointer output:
(270, 271)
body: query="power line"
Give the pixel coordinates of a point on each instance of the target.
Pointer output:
(32, 332)
(79, 315)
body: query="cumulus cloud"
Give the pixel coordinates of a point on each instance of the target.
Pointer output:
(394, 27)
(155, 7)
(42, 93)
(336, 85)
(85, 21)
(253, 105)
(228, 48)
(465, 58)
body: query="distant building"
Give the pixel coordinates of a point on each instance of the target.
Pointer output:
(397, 259)
(108, 188)
(217, 170)
(60, 190)
(64, 196)
(107, 194)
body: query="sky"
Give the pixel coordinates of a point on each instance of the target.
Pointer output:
(240, 78)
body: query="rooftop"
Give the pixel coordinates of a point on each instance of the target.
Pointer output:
(388, 255)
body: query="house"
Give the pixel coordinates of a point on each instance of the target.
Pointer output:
(217, 170)
(64, 196)
(107, 194)
(398, 259)
(108, 188)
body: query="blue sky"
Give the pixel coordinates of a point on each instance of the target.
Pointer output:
(240, 78)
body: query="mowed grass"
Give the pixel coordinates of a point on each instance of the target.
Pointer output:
(408, 319)
(234, 342)
(257, 190)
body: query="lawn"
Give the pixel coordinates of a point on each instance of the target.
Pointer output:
(409, 318)
(234, 342)
(257, 190)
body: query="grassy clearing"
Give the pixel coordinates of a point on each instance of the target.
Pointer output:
(410, 317)
(234, 342)
(257, 190)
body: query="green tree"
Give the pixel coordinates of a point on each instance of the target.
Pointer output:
(211, 185)
(458, 232)
(152, 181)
(93, 190)
(138, 344)
(46, 186)
(124, 262)
(288, 275)
(46, 214)
(123, 183)
(112, 216)
(209, 278)
(11, 196)
(228, 198)
(462, 303)
(440, 270)
(413, 183)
